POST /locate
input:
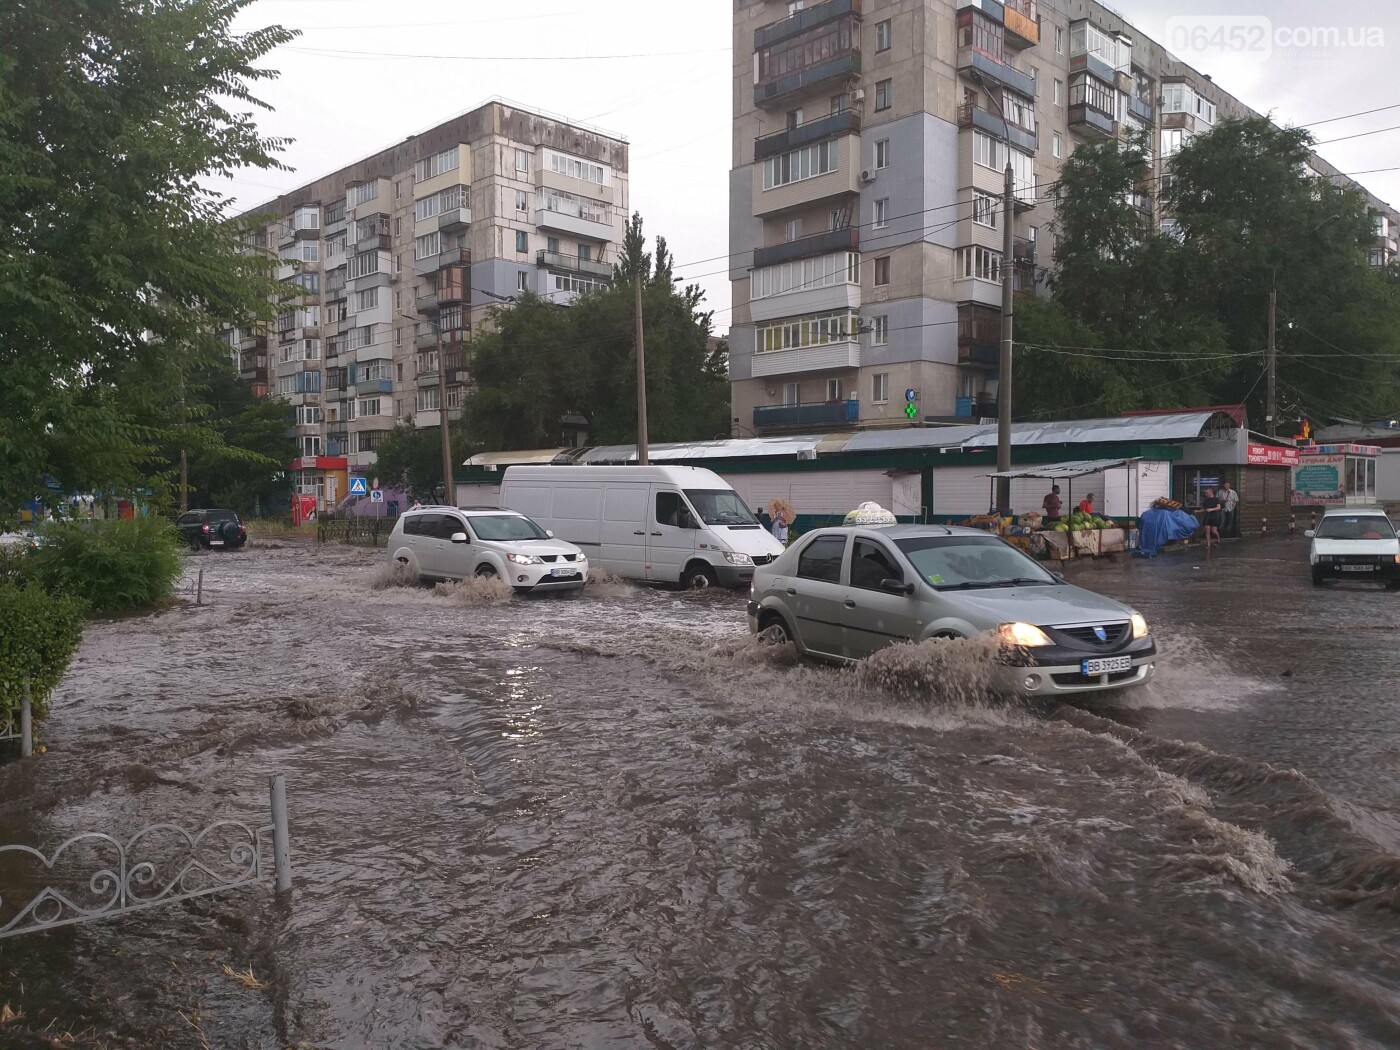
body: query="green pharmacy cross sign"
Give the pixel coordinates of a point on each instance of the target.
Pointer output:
(911, 408)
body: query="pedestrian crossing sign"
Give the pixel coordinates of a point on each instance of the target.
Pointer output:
(358, 487)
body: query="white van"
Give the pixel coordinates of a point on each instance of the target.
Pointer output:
(680, 525)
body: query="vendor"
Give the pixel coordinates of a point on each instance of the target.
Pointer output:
(1086, 505)
(1051, 503)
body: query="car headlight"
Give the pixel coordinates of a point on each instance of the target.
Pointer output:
(1022, 634)
(1139, 626)
(735, 558)
(525, 559)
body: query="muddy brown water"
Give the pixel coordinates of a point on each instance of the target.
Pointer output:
(615, 821)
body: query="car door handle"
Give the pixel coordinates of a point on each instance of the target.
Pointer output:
(850, 604)
(639, 532)
(792, 591)
(656, 534)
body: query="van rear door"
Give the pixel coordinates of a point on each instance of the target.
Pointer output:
(671, 532)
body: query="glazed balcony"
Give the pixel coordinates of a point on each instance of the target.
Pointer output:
(972, 115)
(800, 22)
(573, 264)
(1083, 117)
(846, 240)
(846, 122)
(972, 61)
(1144, 111)
(1021, 21)
(834, 355)
(819, 413)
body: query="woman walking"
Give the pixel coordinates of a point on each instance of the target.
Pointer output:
(1212, 510)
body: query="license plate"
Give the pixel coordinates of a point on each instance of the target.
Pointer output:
(1358, 568)
(1106, 665)
(216, 543)
(562, 572)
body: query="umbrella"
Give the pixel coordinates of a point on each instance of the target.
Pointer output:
(783, 507)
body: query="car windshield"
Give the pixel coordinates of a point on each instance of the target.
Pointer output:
(1355, 527)
(719, 507)
(971, 562)
(505, 527)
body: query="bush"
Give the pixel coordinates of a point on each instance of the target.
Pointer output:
(39, 633)
(109, 565)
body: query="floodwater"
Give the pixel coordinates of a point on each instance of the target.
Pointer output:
(616, 821)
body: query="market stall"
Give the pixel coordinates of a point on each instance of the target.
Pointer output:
(1075, 535)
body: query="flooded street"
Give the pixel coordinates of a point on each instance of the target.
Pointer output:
(615, 821)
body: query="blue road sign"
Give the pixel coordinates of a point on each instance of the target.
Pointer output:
(358, 487)
(377, 496)
(911, 394)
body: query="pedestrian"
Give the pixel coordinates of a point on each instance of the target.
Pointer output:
(1210, 516)
(1051, 503)
(780, 527)
(1229, 506)
(1086, 505)
(417, 504)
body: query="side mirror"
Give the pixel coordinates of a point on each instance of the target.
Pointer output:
(1309, 533)
(549, 533)
(896, 587)
(459, 537)
(1059, 576)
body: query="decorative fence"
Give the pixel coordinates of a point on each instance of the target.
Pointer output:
(361, 532)
(98, 876)
(19, 725)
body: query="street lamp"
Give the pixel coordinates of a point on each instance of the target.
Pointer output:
(1004, 365)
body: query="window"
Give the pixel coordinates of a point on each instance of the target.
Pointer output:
(522, 281)
(428, 399)
(987, 151)
(551, 245)
(359, 338)
(882, 213)
(427, 246)
(310, 251)
(805, 163)
(984, 210)
(801, 275)
(980, 263)
(579, 207)
(882, 153)
(1055, 144)
(833, 390)
(871, 564)
(882, 270)
(569, 282)
(879, 331)
(838, 104)
(577, 168)
(882, 36)
(821, 559)
(790, 394)
(880, 387)
(1172, 141)
(335, 246)
(1059, 92)
(1093, 92)
(308, 218)
(365, 191)
(808, 49)
(1022, 175)
(436, 164)
(368, 407)
(839, 219)
(522, 160)
(792, 230)
(1059, 40)
(884, 95)
(308, 415)
(367, 299)
(585, 253)
(977, 31)
(522, 241)
(838, 326)
(522, 200)
(672, 510)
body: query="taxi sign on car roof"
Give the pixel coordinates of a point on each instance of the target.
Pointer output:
(870, 514)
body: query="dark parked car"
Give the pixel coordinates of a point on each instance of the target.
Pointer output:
(212, 528)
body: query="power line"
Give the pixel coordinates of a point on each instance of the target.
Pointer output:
(336, 52)
(1358, 135)
(1348, 116)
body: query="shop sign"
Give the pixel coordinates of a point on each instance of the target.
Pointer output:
(1319, 481)
(1271, 456)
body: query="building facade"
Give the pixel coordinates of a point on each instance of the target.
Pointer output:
(870, 143)
(392, 262)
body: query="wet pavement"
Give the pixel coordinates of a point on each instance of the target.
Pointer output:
(615, 821)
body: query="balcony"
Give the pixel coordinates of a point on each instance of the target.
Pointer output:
(801, 21)
(979, 337)
(828, 356)
(252, 342)
(592, 224)
(454, 219)
(816, 414)
(840, 67)
(1023, 250)
(979, 355)
(971, 61)
(429, 340)
(1144, 111)
(427, 302)
(1021, 23)
(426, 379)
(1185, 121)
(374, 242)
(971, 115)
(573, 264)
(1083, 117)
(373, 386)
(1093, 64)
(433, 263)
(845, 240)
(975, 408)
(847, 122)
(842, 181)
(256, 374)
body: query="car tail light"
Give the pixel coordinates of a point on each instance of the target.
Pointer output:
(205, 528)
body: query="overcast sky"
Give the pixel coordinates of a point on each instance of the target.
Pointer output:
(367, 73)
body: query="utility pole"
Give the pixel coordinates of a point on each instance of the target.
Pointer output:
(449, 490)
(1272, 363)
(641, 379)
(1004, 367)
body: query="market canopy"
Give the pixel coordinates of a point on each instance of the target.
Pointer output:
(1070, 469)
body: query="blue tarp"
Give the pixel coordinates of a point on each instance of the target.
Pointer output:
(1159, 527)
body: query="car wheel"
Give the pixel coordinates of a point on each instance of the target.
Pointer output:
(486, 570)
(698, 576)
(1318, 579)
(775, 631)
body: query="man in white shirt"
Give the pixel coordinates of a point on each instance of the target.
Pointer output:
(1229, 503)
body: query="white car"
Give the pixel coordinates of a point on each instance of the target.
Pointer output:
(451, 543)
(1355, 543)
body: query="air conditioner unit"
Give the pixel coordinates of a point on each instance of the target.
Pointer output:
(867, 177)
(857, 94)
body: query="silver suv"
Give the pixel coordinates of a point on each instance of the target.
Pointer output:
(841, 594)
(451, 543)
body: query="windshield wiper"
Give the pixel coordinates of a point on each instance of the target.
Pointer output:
(987, 584)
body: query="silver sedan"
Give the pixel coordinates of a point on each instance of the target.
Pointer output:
(841, 594)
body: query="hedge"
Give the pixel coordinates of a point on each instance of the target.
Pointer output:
(109, 565)
(39, 632)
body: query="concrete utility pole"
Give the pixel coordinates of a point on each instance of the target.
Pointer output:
(448, 488)
(1272, 361)
(641, 379)
(1008, 246)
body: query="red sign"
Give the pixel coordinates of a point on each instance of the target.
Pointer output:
(1271, 456)
(320, 463)
(303, 509)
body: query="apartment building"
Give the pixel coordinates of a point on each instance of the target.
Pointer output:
(870, 143)
(392, 262)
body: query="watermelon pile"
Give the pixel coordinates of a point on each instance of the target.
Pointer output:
(1081, 522)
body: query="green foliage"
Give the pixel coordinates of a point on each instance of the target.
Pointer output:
(1139, 319)
(116, 265)
(109, 565)
(542, 362)
(411, 457)
(39, 632)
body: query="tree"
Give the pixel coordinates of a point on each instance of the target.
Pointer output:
(411, 458)
(116, 266)
(542, 362)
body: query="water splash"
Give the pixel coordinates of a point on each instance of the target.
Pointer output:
(478, 590)
(603, 584)
(392, 574)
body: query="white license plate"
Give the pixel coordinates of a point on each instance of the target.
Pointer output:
(216, 543)
(1358, 568)
(1106, 665)
(562, 571)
